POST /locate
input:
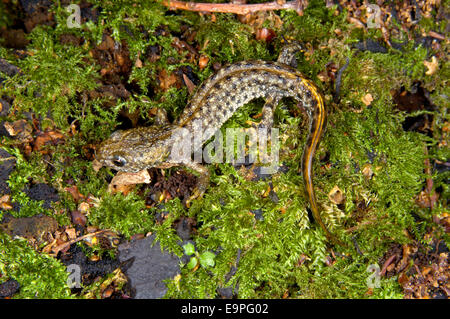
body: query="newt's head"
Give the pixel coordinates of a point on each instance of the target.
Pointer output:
(135, 149)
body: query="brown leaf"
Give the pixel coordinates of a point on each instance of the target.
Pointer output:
(73, 191)
(20, 130)
(138, 63)
(123, 182)
(432, 66)
(107, 43)
(5, 203)
(336, 195)
(356, 22)
(190, 86)
(202, 62)
(367, 99)
(265, 34)
(96, 165)
(403, 279)
(49, 248)
(71, 233)
(107, 292)
(166, 81)
(367, 171)
(426, 270)
(47, 138)
(425, 200)
(78, 218)
(323, 76)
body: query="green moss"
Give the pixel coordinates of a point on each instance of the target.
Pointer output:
(4, 21)
(286, 252)
(315, 24)
(39, 275)
(229, 41)
(64, 73)
(123, 214)
(25, 172)
(396, 159)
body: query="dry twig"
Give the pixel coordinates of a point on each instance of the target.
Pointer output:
(297, 5)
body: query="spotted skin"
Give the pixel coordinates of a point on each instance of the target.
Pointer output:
(215, 101)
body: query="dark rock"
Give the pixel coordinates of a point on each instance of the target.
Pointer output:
(370, 45)
(9, 288)
(8, 69)
(4, 108)
(89, 270)
(43, 192)
(36, 228)
(184, 228)
(7, 165)
(149, 268)
(31, 6)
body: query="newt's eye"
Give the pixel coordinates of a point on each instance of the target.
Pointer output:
(119, 161)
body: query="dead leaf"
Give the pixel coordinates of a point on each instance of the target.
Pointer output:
(190, 86)
(426, 270)
(96, 165)
(71, 233)
(356, 22)
(107, 292)
(367, 171)
(73, 191)
(84, 207)
(138, 63)
(336, 195)
(78, 218)
(166, 81)
(20, 130)
(47, 138)
(403, 279)
(94, 258)
(432, 66)
(202, 62)
(367, 99)
(427, 200)
(5, 203)
(123, 182)
(323, 76)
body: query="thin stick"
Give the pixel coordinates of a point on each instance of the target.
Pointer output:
(70, 242)
(297, 5)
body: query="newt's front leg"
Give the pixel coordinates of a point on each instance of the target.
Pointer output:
(203, 180)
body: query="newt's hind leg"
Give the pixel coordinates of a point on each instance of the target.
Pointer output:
(287, 54)
(267, 112)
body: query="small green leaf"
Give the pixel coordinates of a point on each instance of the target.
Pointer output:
(192, 263)
(207, 259)
(189, 249)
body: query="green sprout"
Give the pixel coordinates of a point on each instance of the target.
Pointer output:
(205, 259)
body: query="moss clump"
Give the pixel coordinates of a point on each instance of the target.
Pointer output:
(123, 214)
(39, 275)
(379, 167)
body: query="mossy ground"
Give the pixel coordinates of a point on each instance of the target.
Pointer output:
(284, 254)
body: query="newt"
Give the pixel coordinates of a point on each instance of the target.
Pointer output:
(211, 106)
